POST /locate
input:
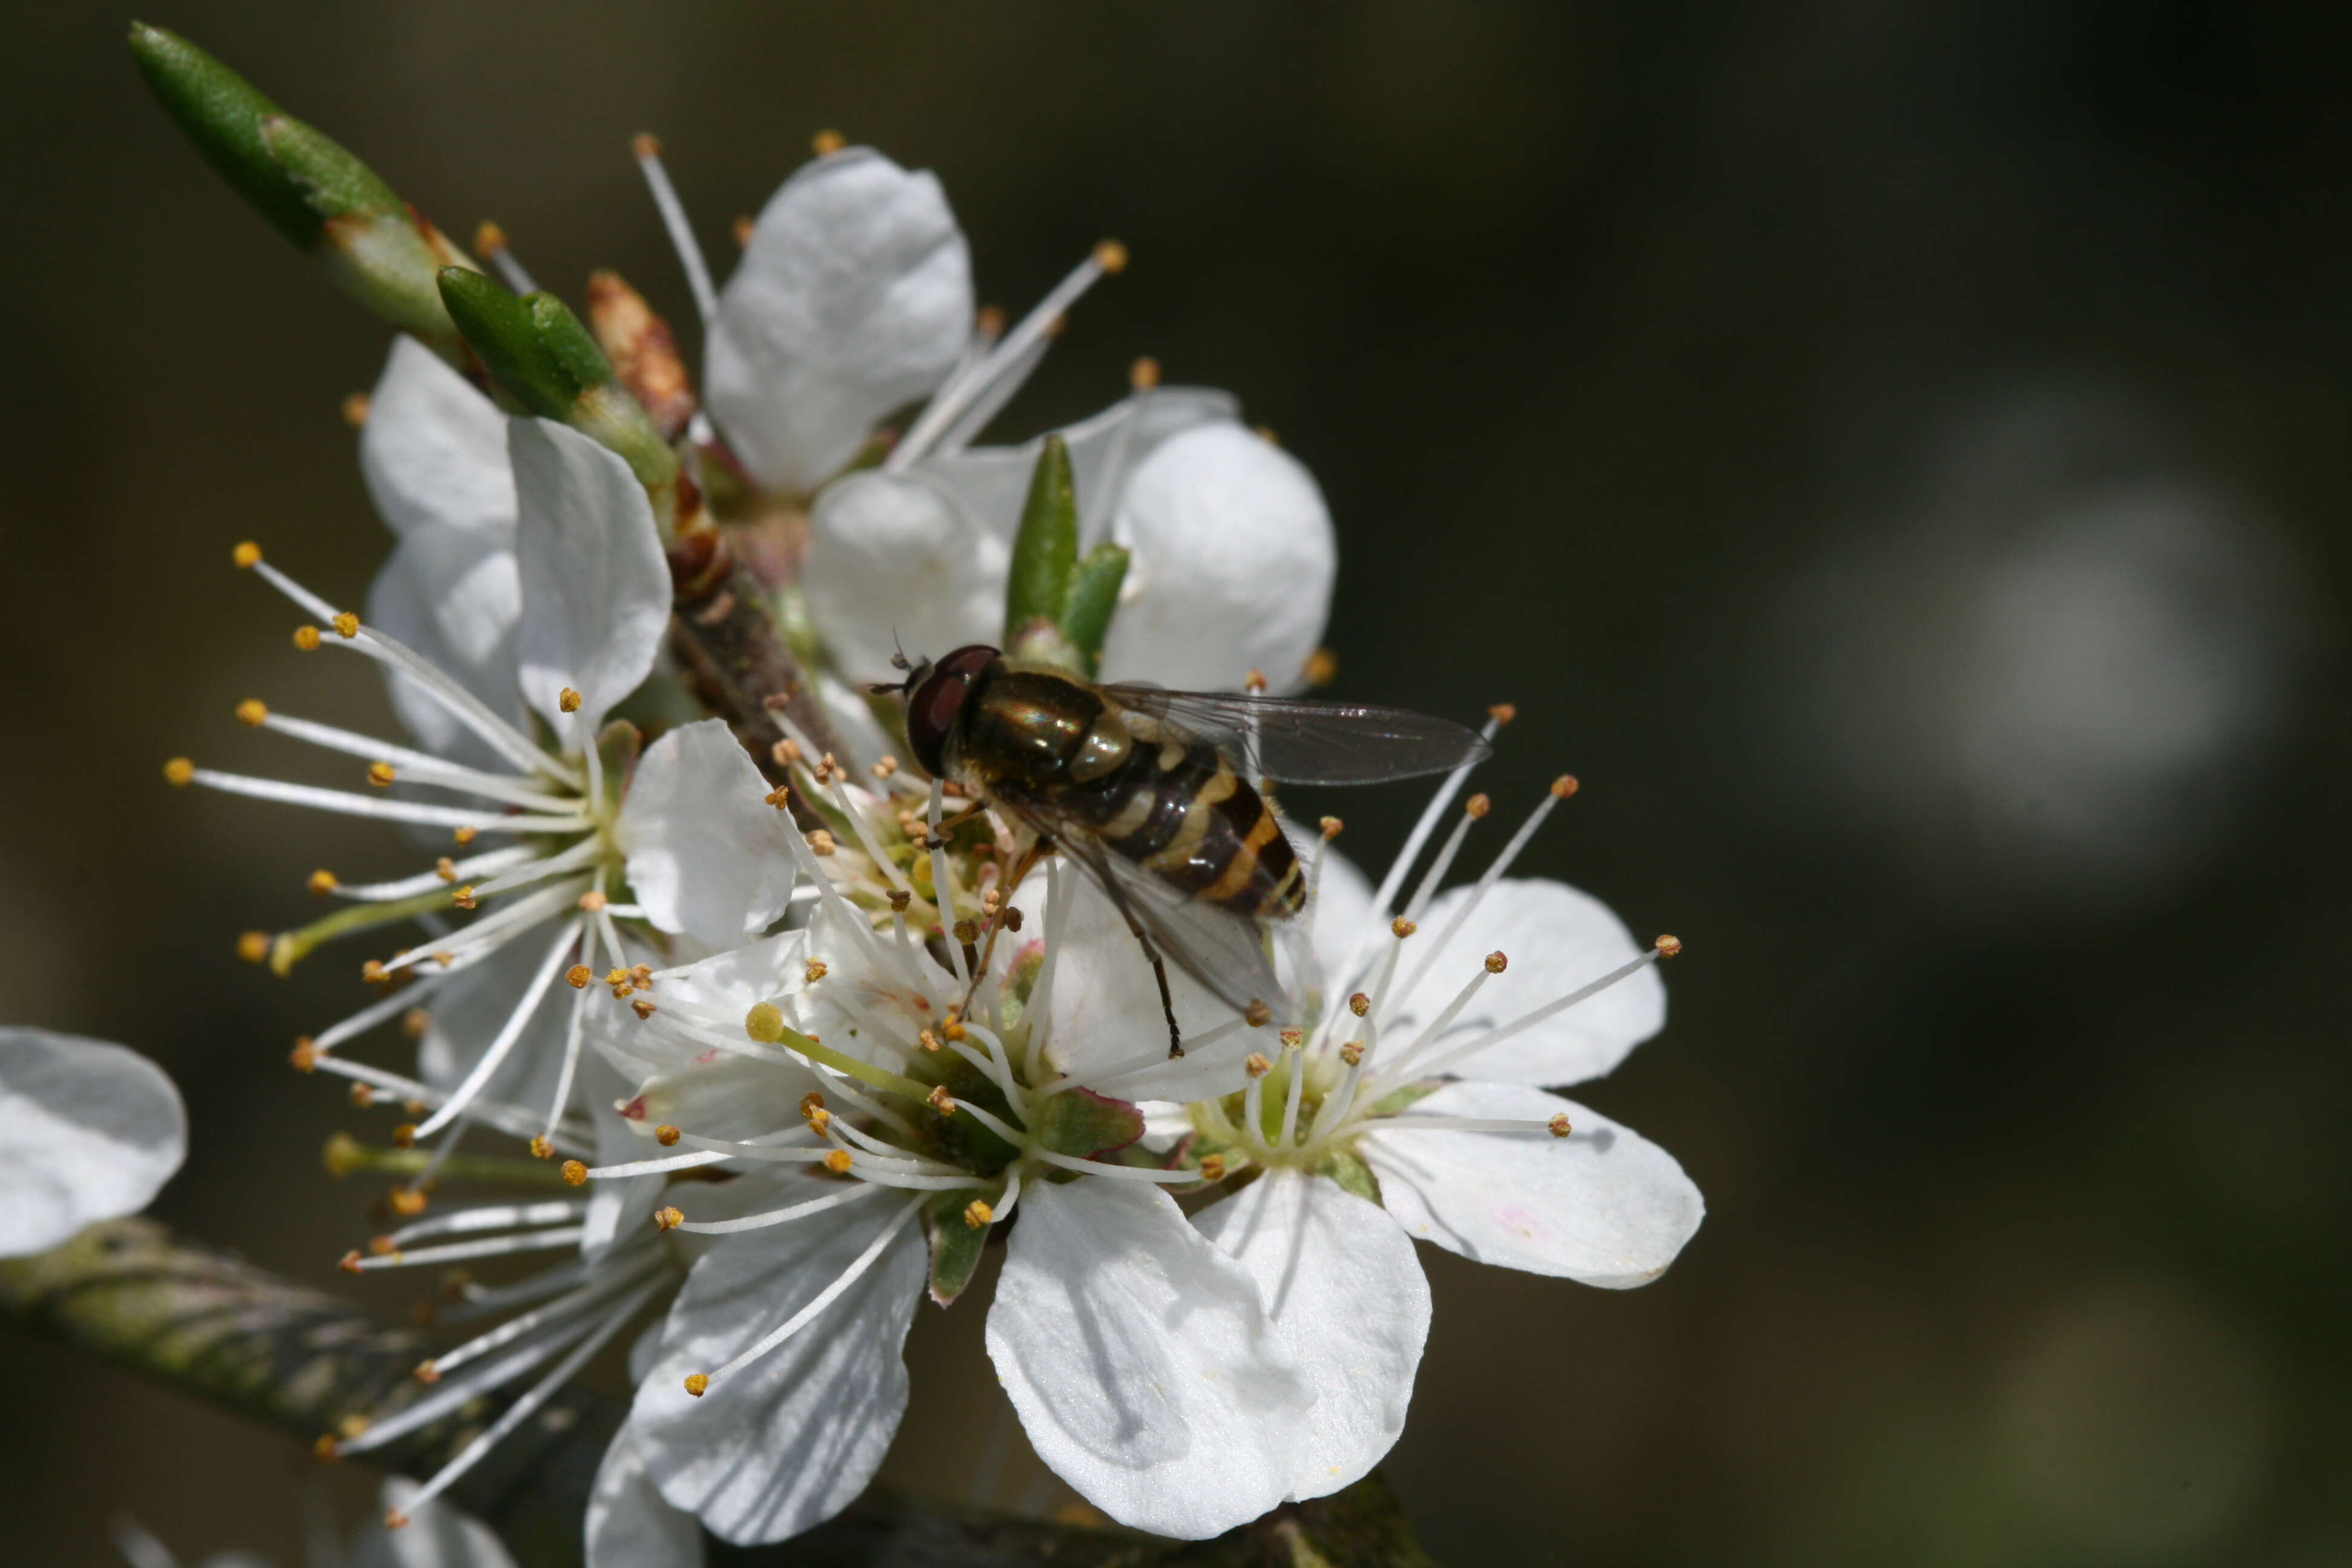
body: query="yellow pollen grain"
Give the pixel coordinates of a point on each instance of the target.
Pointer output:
(252, 713)
(1111, 256)
(815, 971)
(381, 775)
(575, 1173)
(578, 977)
(667, 1218)
(1558, 1125)
(347, 626)
(246, 555)
(253, 946)
(356, 407)
(541, 1149)
(764, 1022)
(825, 144)
(665, 1135)
(1256, 1065)
(178, 772)
(1212, 1168)
(838, 1162)
(1563, 786)
(321, 882)
(1478, 805)
(1401, 928)
(1668, 946)
(568, 700)
(592, 902)
(697, 1384)
(1359, 1003)
(306, 638)
(977, 1214)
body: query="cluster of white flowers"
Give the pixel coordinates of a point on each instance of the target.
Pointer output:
(803, 1069)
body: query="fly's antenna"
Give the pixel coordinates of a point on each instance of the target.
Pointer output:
(897, 652)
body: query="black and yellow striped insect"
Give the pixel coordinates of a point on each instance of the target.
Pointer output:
(1154, 793)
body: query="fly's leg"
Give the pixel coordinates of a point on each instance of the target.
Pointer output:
(1158, 973)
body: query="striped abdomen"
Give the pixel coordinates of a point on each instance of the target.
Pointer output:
(1180, 812)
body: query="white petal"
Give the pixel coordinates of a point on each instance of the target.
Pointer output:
(454, 595)
(788, 1440)
(1604, 1205)
(1348, 1303)
(433, 449)
(619, 1208)
(1234, 558)
(466, 1014)
(706, 851)
(727, 1096)
(438, 1534)
(629, 1525)
(852, 299)
(1557, 938)
(902, 558)
(595, 587)
(88, 1132)
(1142, 1362)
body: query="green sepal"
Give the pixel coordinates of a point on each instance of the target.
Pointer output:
(310, 187)
(955, 1246)
(1044, 551)
(1093, 598)
(1353, 1175)
(1080, 1123)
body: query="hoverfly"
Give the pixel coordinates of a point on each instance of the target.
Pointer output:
(1152, 792)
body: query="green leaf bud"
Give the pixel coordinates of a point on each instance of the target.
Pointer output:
(1093, 599)
(1044, 550)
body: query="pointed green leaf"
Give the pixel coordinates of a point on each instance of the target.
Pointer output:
(1044, 550)
(1081, 1122)
(1093, 599)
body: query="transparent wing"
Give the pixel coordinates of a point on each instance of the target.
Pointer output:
(1223, 950)
(1300, 742)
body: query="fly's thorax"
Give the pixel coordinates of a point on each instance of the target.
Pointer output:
(1031, 727)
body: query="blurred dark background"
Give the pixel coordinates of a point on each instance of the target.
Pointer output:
(1895, 455)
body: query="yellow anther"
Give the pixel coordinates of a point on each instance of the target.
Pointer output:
(394, 1520)
(304, 1056)
(1256, 1014)
(1331, 826)
(643, 975)
(1143, 374)
(978, 1214)
(253, 946)
(697, 1382)
(1290, 1039)
(1111, 256)
(1478, 805)
(306, 638)
(820, 842)
(1668, 946)
(818, 1119)
(405, 1135)
(592, 902)
(246, 555)
(568, 700)
(1352, 1052)
(1213, 1167)
(1503, 712)
(645, 144)
(825, 144)
(1322, 668)
(926, 1039)
(427, 1373)
(445, 958)
(357, 406)
(178, 772)
(407, 1202)
(1563, 786)
(327, 1448)
(252, 713)
(575, 1173)
(764, 1022)
(1401, 928)
(1559, 1125)
(381, 1245)
(939, 1099)
(1256, 1065)
(884, 768)
(363, 1096)
(373, 972)
(1014, 918)
(665, 1135)
(778, 797)
(414, 1022)
(464, 898)
(742, 230)
(1266, 434)
(811, 1101)
(347, 626)
(667, 1218)
(1255, 682)
(1496, 962)
(1359, 1003)
(578, 977)
(541, 1149)
(616, 977)
(642, 1009)
(815, 971)
(952, 1031)
(488, 237)
(838, 1162)
(349, 1261)
(464, 836)
(786, 752)
(967, 931)
(322, 882)
(381, 775)
(900, 898)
